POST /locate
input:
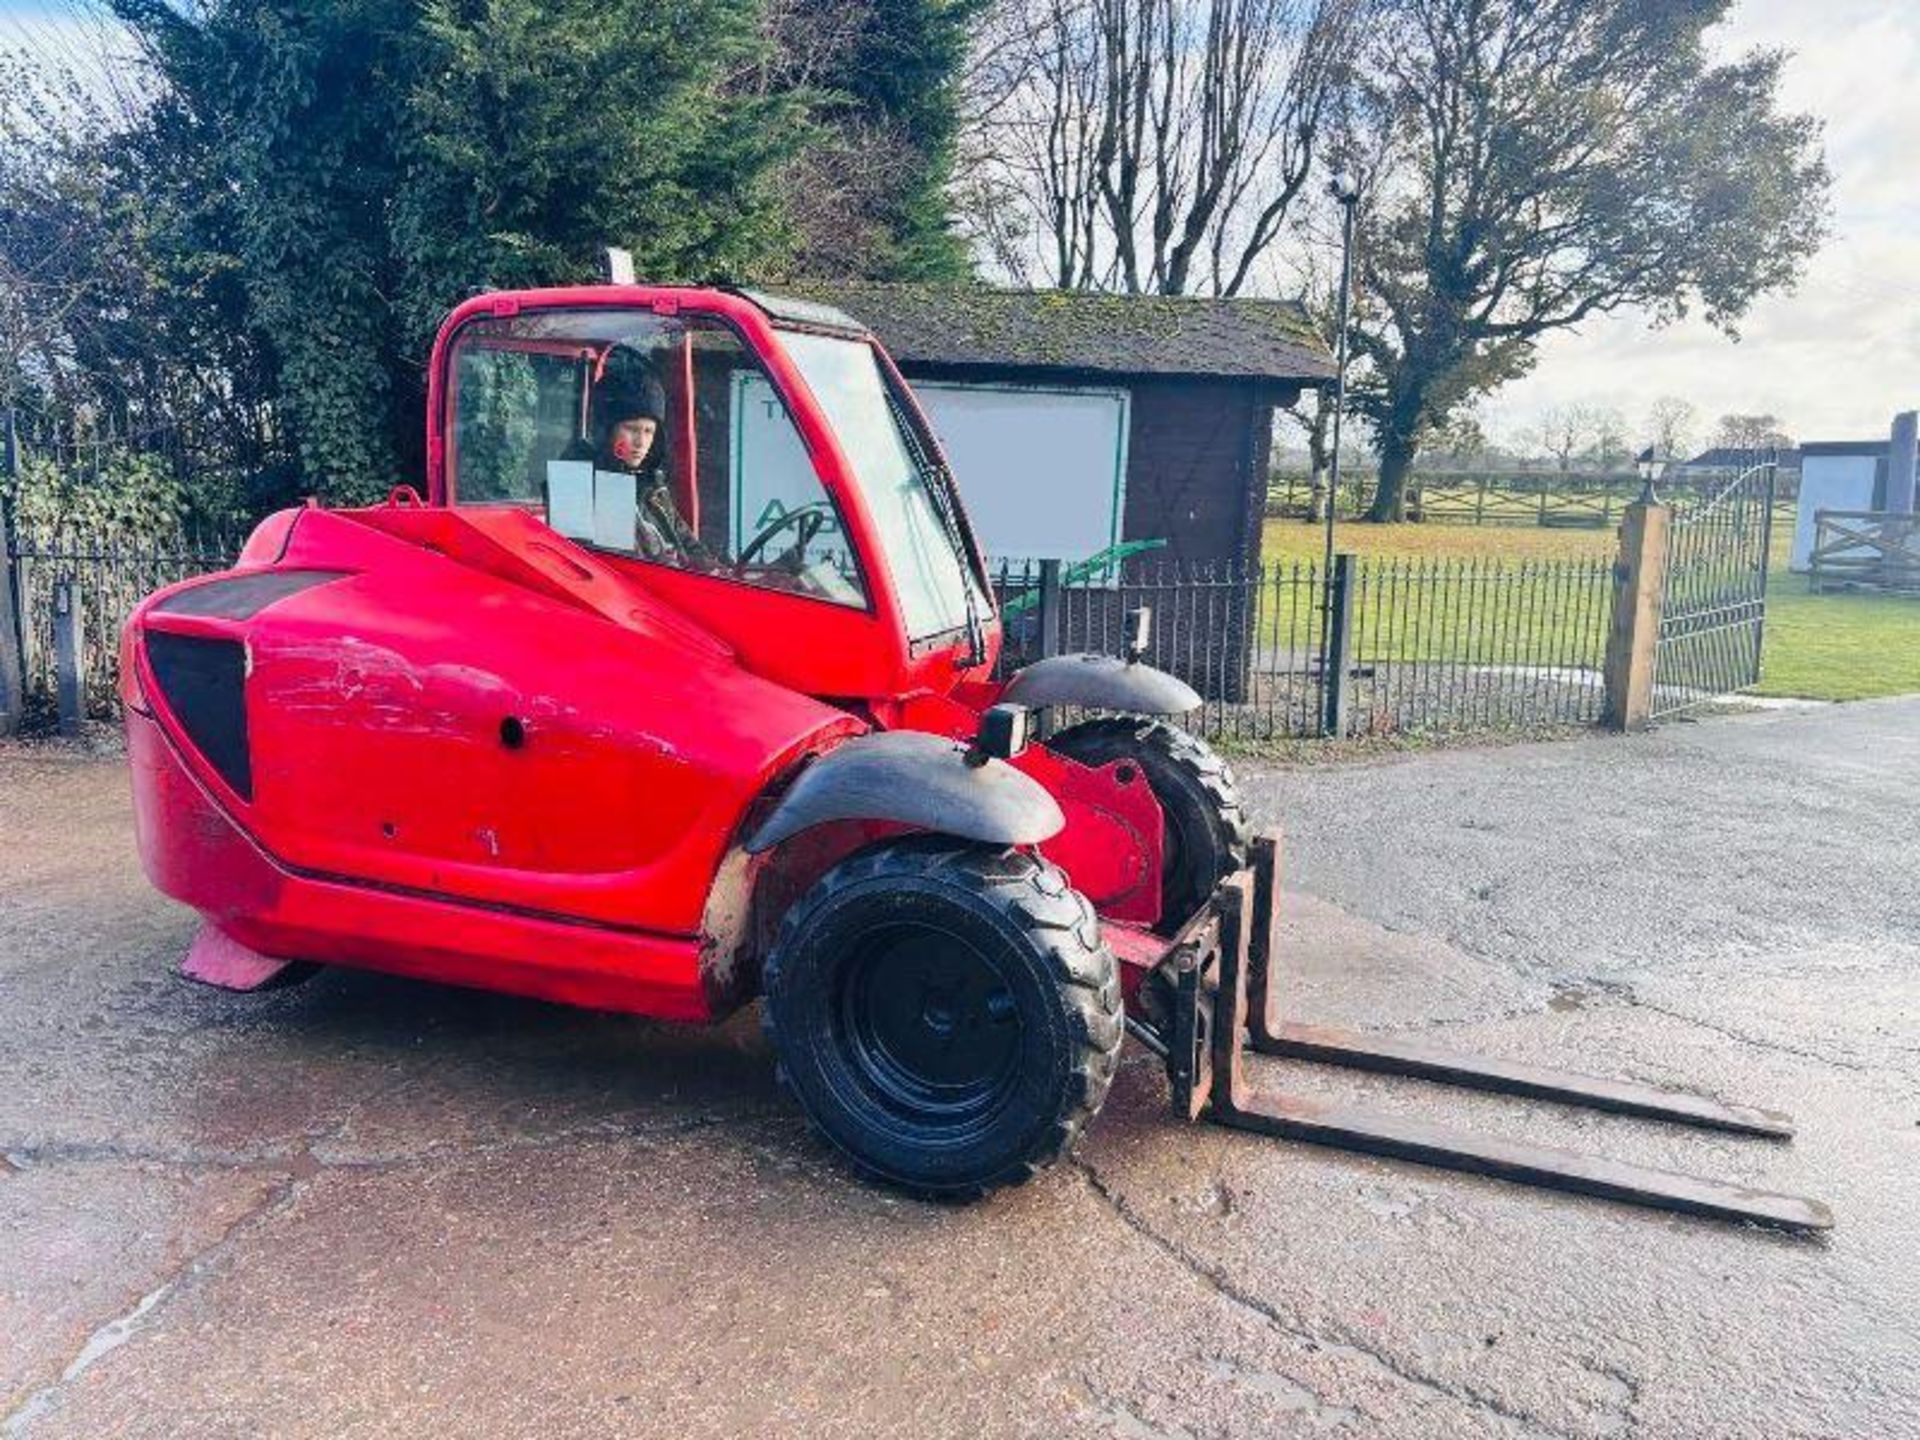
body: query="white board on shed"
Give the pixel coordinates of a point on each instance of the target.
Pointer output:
(1042, 470)
(1828, 482)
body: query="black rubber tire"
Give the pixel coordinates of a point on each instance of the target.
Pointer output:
(847, 990)
(1207, 832)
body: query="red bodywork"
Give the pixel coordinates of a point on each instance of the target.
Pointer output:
(478, 752)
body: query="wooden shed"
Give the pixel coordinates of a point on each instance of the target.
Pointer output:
(1075, 421)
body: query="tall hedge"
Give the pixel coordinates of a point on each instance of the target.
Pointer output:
(372, 162)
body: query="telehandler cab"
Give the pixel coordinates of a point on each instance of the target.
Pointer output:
(677, 688)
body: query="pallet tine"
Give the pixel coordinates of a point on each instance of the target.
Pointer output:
(1398, 1055)
(1244, 932)
(1396, 1137)
(1394, 1055)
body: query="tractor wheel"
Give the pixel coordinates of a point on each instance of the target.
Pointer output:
(947, 1014)
(1206, 833)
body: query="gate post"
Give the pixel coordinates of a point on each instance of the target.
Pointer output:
(1639, 586)
(69, 658)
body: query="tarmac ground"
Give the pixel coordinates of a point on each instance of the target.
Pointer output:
(368, 1206)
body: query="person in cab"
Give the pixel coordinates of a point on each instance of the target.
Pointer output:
(631, 439)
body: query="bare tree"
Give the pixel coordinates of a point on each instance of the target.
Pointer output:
(1147, 145)
(831, 191)
(1751, 432)
(834, 194)
(1670, 425)
(1609, 444)
(1313, 284)
(1565, 431)
(57, 254)
(1533, 164)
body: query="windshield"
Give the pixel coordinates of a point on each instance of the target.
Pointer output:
(921, 548)
(658, 438)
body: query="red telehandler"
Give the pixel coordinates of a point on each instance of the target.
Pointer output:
(677, 688)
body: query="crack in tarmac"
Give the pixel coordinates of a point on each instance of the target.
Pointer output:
(1215, 1277)
(297, 1164)
(1472, 947)
(123, 1328)
(1598, 986)
(1755, 1041)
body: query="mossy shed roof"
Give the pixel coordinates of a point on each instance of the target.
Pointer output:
(1072, 330)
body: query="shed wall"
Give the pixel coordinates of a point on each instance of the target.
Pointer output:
(1188, 472)
(1198, 449)
(1197, 453)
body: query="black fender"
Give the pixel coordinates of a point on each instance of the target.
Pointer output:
(915, 779)
(1100, 682)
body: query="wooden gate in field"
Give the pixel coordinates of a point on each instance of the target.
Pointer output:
(1865, 550)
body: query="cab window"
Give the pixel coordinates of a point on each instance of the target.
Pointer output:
(654, 437)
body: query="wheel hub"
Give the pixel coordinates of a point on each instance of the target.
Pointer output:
(929, 1022)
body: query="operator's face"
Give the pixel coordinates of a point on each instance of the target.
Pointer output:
(632, 440)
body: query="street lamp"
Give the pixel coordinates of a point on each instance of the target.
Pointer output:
(1344, 187)
(1650, 468)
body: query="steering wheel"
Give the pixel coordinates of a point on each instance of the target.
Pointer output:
(807, 521)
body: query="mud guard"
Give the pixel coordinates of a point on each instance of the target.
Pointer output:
(1100, 682)
(916, 779)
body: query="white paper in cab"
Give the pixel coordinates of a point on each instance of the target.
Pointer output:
(570, 498)
(615, 504)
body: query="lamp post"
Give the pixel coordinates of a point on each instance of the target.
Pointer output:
(1345, 190)
(1650, 468)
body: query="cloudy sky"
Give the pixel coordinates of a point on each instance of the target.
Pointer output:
(1836, 358)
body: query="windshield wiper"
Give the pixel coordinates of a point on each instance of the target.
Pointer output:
(939, 482)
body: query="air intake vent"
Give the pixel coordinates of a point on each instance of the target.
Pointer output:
(203, 682)
(241, 597)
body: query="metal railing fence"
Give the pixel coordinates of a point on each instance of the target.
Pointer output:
(1420, 645)
(104, 578)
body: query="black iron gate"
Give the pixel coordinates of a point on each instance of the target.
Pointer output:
(1713, 617)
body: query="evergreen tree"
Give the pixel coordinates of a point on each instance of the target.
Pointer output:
(905, 69)
(377, 160)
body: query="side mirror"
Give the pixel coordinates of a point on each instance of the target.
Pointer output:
(1004, 732)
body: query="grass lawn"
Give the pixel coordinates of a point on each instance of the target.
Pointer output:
(1838, 647)
(1295, 540)
(1457, 594)
(1821, 647)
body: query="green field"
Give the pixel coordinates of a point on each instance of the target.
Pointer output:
(1822, 647)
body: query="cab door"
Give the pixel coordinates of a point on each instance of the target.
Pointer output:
(728, 515)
